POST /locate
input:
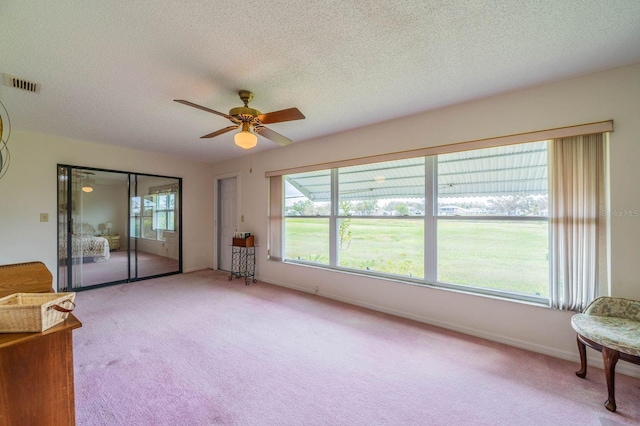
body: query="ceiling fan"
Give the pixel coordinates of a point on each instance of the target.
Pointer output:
(249, 119)
(82, 178)
(87, 179)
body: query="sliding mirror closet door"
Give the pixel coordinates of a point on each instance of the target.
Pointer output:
(92, 225)
(154, 225)
(116, 227)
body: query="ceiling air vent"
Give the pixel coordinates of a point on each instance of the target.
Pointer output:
(21, 83)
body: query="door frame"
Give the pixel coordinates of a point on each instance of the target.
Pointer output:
(216, 212)
(67, 286)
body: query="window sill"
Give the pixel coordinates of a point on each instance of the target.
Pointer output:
(468, 290)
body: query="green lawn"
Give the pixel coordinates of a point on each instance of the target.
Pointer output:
(307, 239)
(391, 246)
(498, 255)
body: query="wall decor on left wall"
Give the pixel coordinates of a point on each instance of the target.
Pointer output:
(5, 132)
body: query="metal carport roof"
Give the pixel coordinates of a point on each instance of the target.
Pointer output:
(505, 170)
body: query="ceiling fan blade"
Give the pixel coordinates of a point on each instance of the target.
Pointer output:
(273, 136)
(282, 115)
(191, 104)
(219, 132)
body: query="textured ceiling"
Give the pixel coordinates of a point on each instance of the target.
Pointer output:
(110, 69)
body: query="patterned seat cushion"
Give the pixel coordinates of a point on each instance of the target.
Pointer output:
(614, 307)
(611, 322)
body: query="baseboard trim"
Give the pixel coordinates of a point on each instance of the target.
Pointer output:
(194, 269)
(622, 367)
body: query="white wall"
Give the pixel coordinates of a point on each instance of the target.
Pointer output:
(29, 188)
(613, 94)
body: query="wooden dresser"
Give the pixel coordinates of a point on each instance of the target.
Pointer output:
(36, 369)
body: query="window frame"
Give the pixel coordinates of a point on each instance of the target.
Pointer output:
(430, 220)
(277, 213)
(148, 212)
(166, 212)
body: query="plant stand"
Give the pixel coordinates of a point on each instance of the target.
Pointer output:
(243, 263)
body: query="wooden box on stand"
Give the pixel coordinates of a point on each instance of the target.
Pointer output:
(243, 242)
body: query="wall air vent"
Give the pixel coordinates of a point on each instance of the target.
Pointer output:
(21, 83)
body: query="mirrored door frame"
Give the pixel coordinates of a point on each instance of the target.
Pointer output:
(166, 190)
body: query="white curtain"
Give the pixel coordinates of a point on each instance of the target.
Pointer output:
(577, 200)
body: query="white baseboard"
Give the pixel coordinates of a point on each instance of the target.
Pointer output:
(194, 269)
(594, 359)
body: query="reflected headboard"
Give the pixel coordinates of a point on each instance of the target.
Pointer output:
(30, 277)
(84, 228)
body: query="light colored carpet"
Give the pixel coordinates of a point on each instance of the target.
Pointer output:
(196, 349)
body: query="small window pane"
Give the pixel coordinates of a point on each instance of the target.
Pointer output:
(307, 239)
(162, 202)
(391, 188)
(502, 181)
(149, 205)
(161, 220)
(308, 194)
(135, 206)
(500, 255)
(135, 227)
(390, 246)
(147, 228)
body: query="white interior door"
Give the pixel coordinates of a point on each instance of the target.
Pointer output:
(227, 220)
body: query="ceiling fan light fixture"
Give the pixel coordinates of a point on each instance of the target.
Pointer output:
(250, 118)
(245, 139)
(87, 185)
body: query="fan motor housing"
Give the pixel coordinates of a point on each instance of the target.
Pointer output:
(240, 111)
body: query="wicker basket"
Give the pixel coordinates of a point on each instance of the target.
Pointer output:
(243, 242)
(34, 312)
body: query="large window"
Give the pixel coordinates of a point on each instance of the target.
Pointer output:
(477, 219)
(514, 216)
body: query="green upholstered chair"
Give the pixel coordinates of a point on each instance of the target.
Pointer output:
(612, 326)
